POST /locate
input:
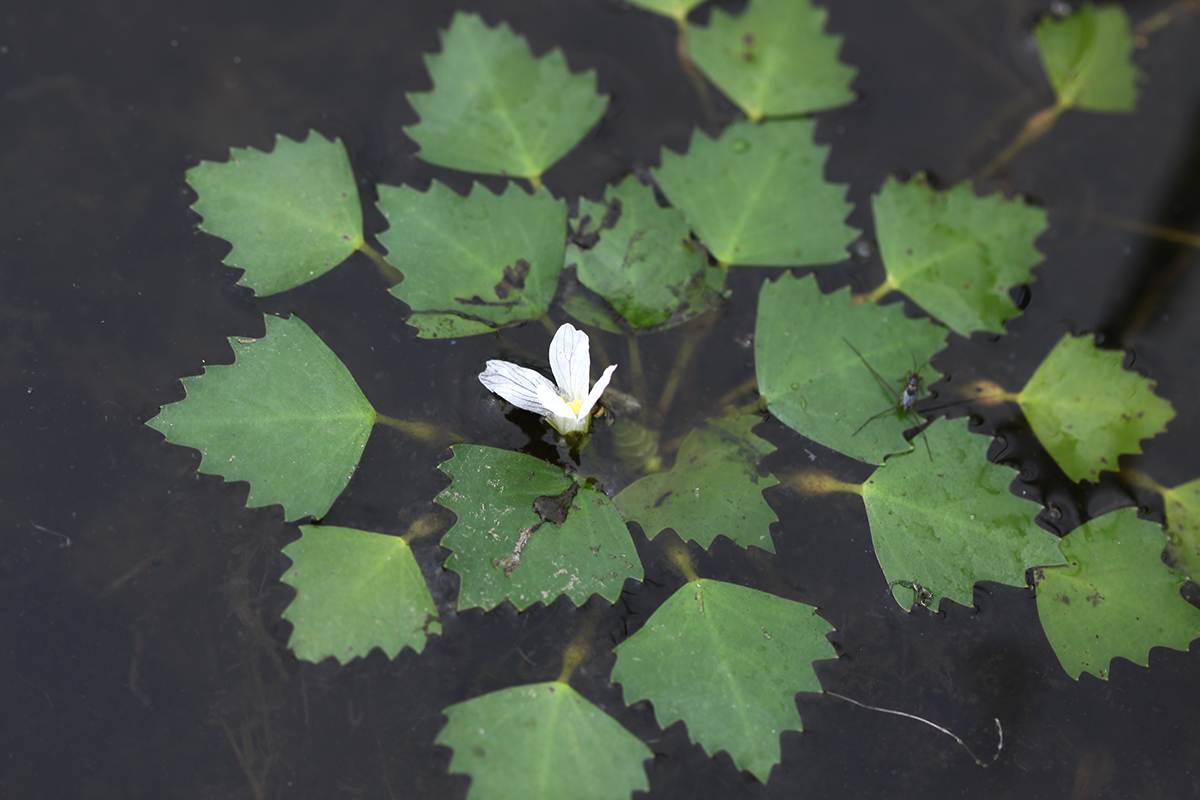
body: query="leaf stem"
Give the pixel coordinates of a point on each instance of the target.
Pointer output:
(390, 274)
(679, 557)
(734, 394)
(815, 482)
(580, 645)
(683, 359)
(876, 293)
(427, 432)
(1035, 128)
(635, 364)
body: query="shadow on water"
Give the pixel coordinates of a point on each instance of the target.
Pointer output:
(144, 650)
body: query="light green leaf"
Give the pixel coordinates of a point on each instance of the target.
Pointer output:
(758, 195)
(493, 493)
(1115, 596)
(714, 488)
(291, 214)
(543, 742)
(644, 263)
(286, 416)
(675, 9)
(1087, 410)
(495, 108)
(729, 661)
(956, 254)
(1087, 56)
(355, 590)
(773, 60)
(814, 382)
(1182, 505)
(944, 525)
(488, 259)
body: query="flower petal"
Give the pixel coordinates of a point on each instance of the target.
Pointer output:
(571, 361)
(522, 387)
(597, 390)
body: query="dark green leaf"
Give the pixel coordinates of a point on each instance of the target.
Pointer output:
(502, 548)
(714, 488)
(943, 525)
(286, 416)
(775, 59)
(291, 214)
(355, 590)
(816, 384)
(1115, 596)
(495, 108)
(473, 263)
(728, 660)
(758, 195)
(543, 742)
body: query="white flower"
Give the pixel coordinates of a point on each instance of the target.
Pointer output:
(567, 406)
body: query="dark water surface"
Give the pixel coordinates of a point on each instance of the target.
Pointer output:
(142, 652)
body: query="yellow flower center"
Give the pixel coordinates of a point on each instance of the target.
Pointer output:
(575, 406)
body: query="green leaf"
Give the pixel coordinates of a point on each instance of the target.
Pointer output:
(714, 488)
(940, 527)
(644, 263)
(1088, 58)
(1087, 410)
(495, 108)
(355, 590)
(543, 742)
(758, 195)
(487, 259)
(1182, 505)
(675, 9)
(493, 495)
(286, 416)
(814, 382)
(956, 254)
(291, 214)
(773, 60)
(1115, 596)
(728, 660)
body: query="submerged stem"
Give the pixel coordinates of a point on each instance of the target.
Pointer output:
(428, 432)
(389, 273)
(1035, 128)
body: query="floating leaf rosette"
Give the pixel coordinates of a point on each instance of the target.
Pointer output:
(355, 590)
(940, 527)
(291, 214)
(729, 661)
(757, 195)
(774, 59)
(543, 742)
(955, 254)
(287, 416)
(498, 110)
(1115, 596)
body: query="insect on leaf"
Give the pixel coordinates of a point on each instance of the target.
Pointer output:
(286, 416)
(946, 525)
(543, 741)
(355, 590)
(775, 59)
(1087, 56)
(644, 262)
(955, 254)
(291, 214)
(728, 660)
(714, 488)
(1087, 410)
(509, 543)
(815, 383)
(758, 195)
(1114, 597)
(498, 110)
(474, 263)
